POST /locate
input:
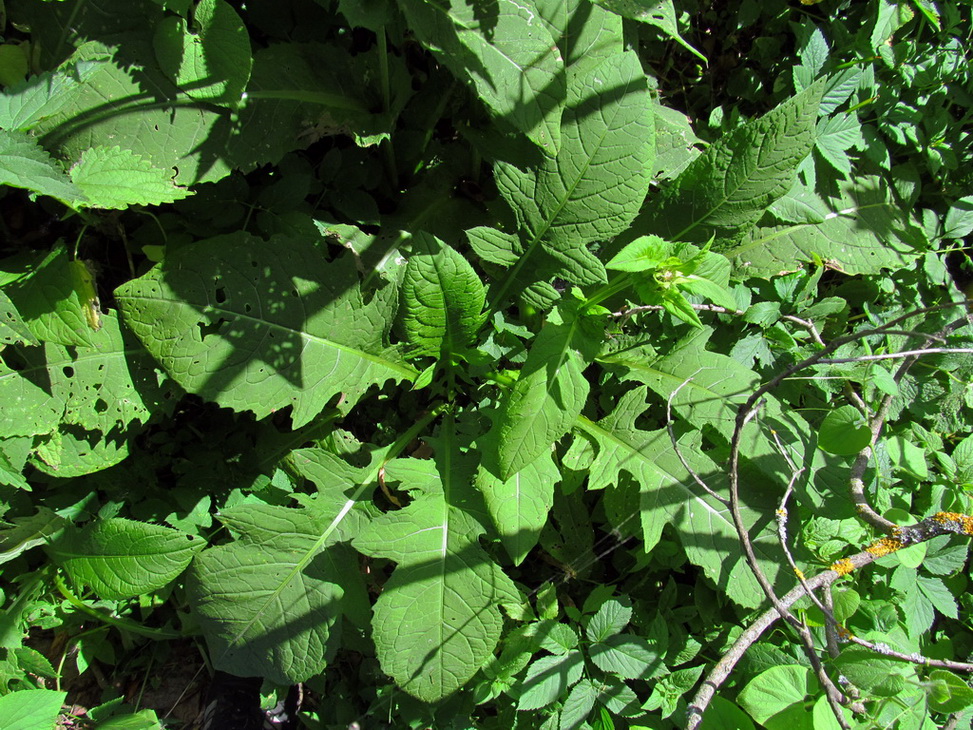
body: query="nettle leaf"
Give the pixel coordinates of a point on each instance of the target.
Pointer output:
(25, 164)
(865, 233)
(213, 62)
(56, 297)
(548, 395)
(259, 325)
(71, 451)
(117, 178)
(626, 655)
(668, 496)
(270, 602)
(442, 298)
(437, 621)
(519, 506)
(610, 619)
(24, 105)
(578, 705)
(593, 187)
(29, 532)
(508, 56)
(121, 558)
(660, 13)
(835, 136)
(726, 189)
(549, 678)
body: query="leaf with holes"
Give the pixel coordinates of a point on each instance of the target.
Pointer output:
(261, 325)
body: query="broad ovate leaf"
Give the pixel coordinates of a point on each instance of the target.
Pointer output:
(210, 61)
(726, 189)
(25, 164)
(437, 621)
(511, 60)
(111, 177)
(260, 325)
(120, 558)
(442, 298)
(270, 602)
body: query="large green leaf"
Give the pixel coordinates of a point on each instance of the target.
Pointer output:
(660, 13)
(121, 558)
(111, 177)
(667, 495)
(24, 105)
(548, 395)
(505, 52)
(24, 164)
(594, 186)
(270, 602)
(260, 325)
(726, 189)
(442, 298)
(13, 329)
(585, 33)
(865, 234)
(437, 621)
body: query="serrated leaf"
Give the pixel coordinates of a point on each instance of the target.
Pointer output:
(547, 397)
(442, 298)
(25, 164)
(959, 218)
(593, 187)
(609, 620)
(939, 595)
(29, 532)
(257, 325)
(510, 59)
(270, 602)
(213, 62)
(727, 188)
(495, 246)
(55, 297)
(120, 558)
(30, 709)
(102, 387)
(13, 329)
(668, 496)
(437, 621)
(520, 505)
(660, 13)
(71, 451)
(24, 105)
(626, 655)
(578, 705)
(548, 678)
(864, 234)
(835, 136)
(117, 178)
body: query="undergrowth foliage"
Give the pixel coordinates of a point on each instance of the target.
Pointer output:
(490, 364)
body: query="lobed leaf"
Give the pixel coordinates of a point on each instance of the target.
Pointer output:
(261, 325)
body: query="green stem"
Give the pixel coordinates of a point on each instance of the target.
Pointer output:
(387, 148)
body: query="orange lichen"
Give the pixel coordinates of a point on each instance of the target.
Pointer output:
(884, 546)
(964, 521)
(843, 566)
(843, 633)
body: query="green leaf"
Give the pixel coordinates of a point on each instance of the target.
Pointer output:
(865, 233)
(660, 13)
(437, 621)
(775, 691)
(868, 670)
(117, 178)
(627, 656)
(725, 190)
(835, 136)
(56, 297)
(270, 602)
(213, 62)
(948, 693)
(519, 506)
(548, 395)
(120, 558)
(939, 595)
(25, 164)
(578, 705)
(508, 57)
(13, 329)
(610, 619)
(31, 709)
(724, 715)
(257, 325)
(24, 105)
(959, 218)
(668, 496)
(594, 186)
(643, 254)
(844, 432)
(28, 409)
(442, 298)
(549, 678)
(29, 532)
(495, 246)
